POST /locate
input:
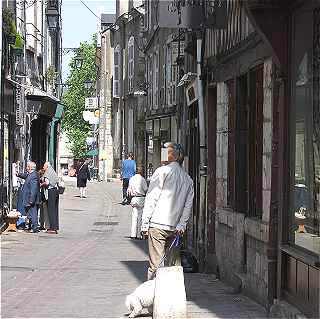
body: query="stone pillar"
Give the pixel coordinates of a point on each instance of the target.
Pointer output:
(222, 145)
(267, 139)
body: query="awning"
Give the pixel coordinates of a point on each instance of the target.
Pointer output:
(41, 102)
(59, 112)
(94, 152)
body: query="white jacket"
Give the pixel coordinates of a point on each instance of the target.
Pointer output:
(169, 200)
(137, 189)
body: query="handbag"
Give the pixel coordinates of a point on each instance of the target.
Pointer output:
(61, 187)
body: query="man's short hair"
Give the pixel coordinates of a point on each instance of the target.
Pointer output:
(177, 151)
(32, 165)
(140, 170)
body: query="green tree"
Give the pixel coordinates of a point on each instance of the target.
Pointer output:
(73, 123)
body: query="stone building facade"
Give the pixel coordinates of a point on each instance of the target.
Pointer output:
(128, 76)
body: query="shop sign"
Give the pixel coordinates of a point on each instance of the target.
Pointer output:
(192, 92)
(190, 14)
(91, 103)
(19, 106)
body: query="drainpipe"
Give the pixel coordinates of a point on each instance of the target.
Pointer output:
(203, 154)
(1, 120)
(201, 115)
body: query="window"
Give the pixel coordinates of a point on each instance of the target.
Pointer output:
(245, 144)
(116, 72)
(163, 79)
(150, 87)
(305, 132)
(171, 72)
(168, 74)
(146, 16)
(130, 64)
(155, 80)
(255, 142)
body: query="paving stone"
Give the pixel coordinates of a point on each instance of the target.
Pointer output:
(87, 269)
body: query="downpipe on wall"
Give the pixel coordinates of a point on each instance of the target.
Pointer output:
(201, 240)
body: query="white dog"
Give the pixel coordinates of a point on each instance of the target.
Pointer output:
(141, 298)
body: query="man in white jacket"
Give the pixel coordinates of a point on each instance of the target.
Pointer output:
(168, 206)
(137, 191)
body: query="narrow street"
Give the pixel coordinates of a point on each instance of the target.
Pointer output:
(91, 265)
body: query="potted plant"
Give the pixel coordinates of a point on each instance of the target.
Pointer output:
(17, 47)
(9, 25)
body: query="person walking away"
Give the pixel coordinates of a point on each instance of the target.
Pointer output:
(44, 217)
(30, 194)
(83, 175)
(137, 191)
(52, 196)
(127, 171)
(168, 207)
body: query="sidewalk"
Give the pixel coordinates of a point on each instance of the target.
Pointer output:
(87, 270)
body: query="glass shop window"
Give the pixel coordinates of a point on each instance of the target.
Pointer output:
(305, 189)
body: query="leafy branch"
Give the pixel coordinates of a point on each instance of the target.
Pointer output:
(73, 124)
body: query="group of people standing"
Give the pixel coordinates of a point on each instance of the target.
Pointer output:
(40, 194)
(162, 210)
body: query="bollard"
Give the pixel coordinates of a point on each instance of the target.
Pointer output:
(170, 295)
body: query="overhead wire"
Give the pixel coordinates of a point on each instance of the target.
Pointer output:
(91, 11)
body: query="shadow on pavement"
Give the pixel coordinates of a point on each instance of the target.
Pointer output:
(138, 268)
(142, 244)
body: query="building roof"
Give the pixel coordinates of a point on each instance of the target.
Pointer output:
(108, 18)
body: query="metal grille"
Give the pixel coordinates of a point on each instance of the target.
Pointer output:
(106, 223)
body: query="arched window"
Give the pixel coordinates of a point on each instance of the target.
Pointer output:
(130, 63)
(116, 72)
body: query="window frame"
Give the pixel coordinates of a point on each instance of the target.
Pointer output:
(131, 48)
(116, 71)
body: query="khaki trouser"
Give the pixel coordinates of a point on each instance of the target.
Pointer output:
(159, 241)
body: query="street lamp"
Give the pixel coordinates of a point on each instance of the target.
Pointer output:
(88, 84)
(78, 61)
(52, 18)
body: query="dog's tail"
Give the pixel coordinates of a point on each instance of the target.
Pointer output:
(128, 303)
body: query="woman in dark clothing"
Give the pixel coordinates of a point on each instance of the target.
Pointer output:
(83, 175)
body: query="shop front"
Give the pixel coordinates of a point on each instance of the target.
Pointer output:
(300, 256)
(6, 146)
(41, 109)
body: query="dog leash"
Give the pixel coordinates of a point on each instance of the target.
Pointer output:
(175, 243)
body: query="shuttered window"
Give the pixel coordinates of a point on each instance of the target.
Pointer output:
(116, 72)
(255, 142)
(231, 144)
(130, 64)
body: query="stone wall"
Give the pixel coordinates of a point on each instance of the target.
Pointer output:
(241, 242)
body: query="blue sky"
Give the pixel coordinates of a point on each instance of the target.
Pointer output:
(79, 24)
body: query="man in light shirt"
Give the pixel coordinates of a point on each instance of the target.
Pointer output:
(137, 191)
(168, 206)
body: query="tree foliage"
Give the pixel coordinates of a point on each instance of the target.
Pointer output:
(73, 123)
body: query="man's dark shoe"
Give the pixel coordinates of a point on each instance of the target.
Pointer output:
(34, 231)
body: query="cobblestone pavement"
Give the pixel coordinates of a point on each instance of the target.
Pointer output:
(91, 265)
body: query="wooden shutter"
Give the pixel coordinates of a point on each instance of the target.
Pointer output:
(231, 143)
(256, 142)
